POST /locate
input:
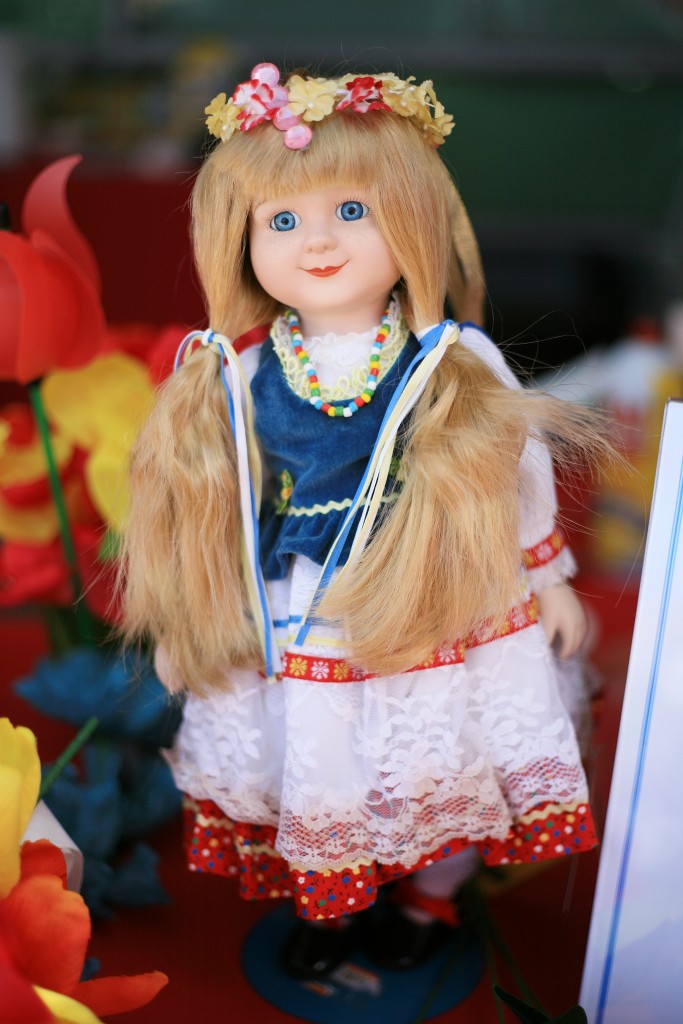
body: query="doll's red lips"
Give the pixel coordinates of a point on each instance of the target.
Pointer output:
(325, 271)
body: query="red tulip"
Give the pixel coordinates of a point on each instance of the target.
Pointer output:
(50, 310)
(44, 934)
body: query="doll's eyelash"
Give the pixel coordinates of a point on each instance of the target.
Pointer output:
(268, 213)
(355, 199)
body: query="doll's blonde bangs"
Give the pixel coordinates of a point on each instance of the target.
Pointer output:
(347, 149)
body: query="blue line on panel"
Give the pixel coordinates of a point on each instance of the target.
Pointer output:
(642, 747)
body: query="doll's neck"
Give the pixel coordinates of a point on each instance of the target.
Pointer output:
(358, 320)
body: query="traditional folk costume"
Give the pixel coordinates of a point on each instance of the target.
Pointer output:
(332, 781)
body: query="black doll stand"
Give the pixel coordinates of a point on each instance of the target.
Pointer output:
(359, 991)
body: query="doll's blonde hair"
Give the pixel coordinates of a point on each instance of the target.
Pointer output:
(446, 556)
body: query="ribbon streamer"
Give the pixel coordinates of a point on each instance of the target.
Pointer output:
(241, 416)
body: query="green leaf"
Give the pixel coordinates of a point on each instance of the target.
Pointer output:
(110, 548)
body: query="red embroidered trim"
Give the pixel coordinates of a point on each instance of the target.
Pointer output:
(337, 670)
(544, 552)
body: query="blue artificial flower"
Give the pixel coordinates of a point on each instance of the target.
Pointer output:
(136, 883)
(120, 690)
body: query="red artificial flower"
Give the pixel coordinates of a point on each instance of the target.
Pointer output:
(50, 310)
(154, 346)
(44, 934)
(260, 101)
(24, 482)
(363, 94)
(18, 1001)
(34, 573)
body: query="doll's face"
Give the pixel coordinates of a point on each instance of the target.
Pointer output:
(322, 254)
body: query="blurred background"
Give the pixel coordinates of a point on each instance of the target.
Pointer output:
(568, 152)
(567, 147)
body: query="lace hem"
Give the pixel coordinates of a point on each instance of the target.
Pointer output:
(218, 845)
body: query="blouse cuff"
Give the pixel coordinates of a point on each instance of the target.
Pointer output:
(549, 562)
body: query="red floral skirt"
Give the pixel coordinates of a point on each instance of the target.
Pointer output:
(220, 846)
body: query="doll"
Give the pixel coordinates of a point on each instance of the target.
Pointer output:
(368, 639)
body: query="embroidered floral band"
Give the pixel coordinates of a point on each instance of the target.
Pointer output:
(544, 551)
(336, 670)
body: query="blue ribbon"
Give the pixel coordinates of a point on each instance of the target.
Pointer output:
(207, 337)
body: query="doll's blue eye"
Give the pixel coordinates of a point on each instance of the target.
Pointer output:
(285, 221)
(352, 210)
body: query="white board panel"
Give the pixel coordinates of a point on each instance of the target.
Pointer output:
(633, 973)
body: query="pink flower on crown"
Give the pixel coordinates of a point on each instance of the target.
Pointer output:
(363, 94)
(260, 98)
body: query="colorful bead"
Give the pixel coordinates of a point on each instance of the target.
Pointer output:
(313, 382)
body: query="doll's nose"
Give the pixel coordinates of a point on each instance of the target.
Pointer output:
(320, 240)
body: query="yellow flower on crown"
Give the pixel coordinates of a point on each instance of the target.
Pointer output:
(442, 124)
(404, 98)
(312, 99)
(222, 117)
(216, 111)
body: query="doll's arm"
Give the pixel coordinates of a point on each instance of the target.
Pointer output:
(547, 559)
(546, 556)
(563, 618)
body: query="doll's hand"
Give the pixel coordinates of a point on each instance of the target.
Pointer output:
(165, 670)
(563, 618)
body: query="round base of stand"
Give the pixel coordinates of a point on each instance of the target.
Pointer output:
(358, 990)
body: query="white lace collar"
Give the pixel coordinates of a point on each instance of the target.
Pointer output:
(341, 360)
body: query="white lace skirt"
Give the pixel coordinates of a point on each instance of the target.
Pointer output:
(347, 767)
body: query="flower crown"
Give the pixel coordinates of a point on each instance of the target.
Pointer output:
(294, 107)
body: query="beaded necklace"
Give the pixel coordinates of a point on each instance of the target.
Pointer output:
(368, 391)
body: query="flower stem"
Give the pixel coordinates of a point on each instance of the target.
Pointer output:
(486, 927)
(84, 621)
(81, 737)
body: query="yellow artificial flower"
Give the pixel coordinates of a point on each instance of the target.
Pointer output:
(216, 111)
(101, 408)
(22, 463)
(391, 82)
(312, 99)
(106, 474)
(19, 786)
(230, 123)
(442, 124)
(110, 397)
(65, 1009)
(36, 525)
(404, 98)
